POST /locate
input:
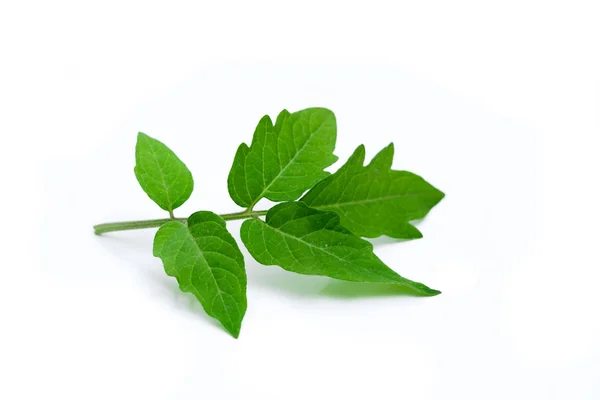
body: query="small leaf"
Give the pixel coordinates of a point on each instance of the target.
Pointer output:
(162, 175)
(375, 200)
(284, 159)
(312, 242)
(207, 262)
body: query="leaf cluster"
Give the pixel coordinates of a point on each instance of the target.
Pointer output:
(317, 227)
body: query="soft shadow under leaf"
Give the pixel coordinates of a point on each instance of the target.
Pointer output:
(354, 290)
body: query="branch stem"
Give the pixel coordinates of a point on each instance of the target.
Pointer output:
(155, 223)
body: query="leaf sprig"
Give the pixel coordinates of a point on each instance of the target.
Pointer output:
(317, 229)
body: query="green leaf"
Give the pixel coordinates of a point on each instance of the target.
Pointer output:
(284, 159)
(162, 175)
(375, 200)
(207, 262)
(312, 242)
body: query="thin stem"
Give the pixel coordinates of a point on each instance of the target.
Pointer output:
(128, 225)
(243, 215)
(155, 223)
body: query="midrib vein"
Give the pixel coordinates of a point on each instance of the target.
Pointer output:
(201, 255)
(316, 247)
(287, 165)
(365, 201)
(162, 178)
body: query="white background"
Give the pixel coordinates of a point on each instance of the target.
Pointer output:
(496, 103)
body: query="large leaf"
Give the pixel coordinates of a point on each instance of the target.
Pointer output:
(312, 242)
(375, 200)
(162, 175)
(284, 159)
(207, 262)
